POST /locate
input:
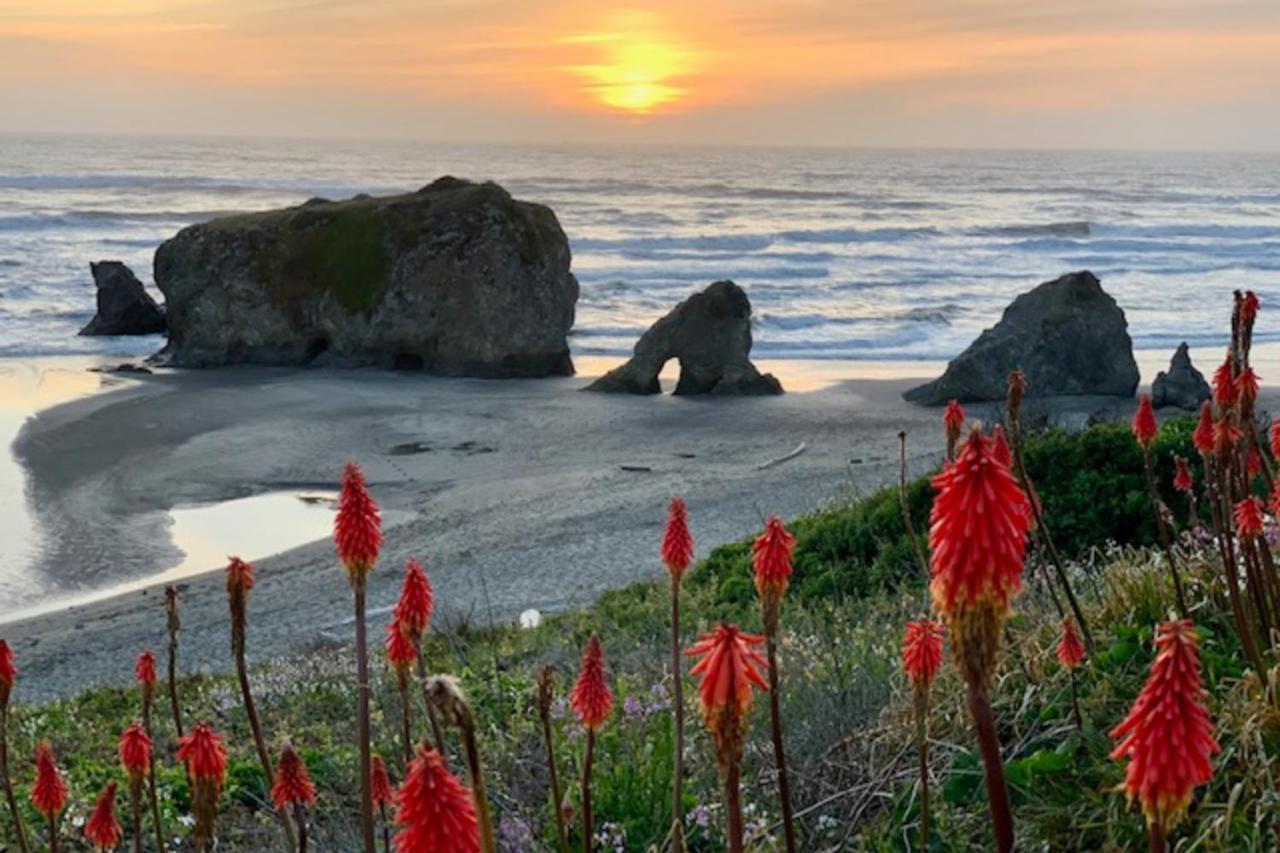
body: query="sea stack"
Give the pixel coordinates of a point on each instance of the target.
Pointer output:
(710, 334)
(456, 279)
(124, 306)
(1068, 336)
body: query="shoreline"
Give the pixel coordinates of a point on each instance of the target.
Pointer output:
(518, 499)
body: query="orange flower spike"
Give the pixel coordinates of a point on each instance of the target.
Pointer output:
(591, 697)
(1000, 447)
(293, 785)
(730, 666)
(383, 793)
(1248, 516)
(1070, 649)
(1249, 307)
(1247, 386)
(1224, 385)
(49, 794)
(1202, 437)
(771, 558)
(102, 828)
(400, 652)
(1144, 422)
(922, 650)
(677, 542)
(1254, 464)
(978, 528)
(417, 600)
(357, 530)
(435, 810)
(1168, 737)
(1225, 436)
(8, 673)
(204, 754)
(240, 576)
(135, 751)
(144, 670)
(953, 422)
(1182, 480)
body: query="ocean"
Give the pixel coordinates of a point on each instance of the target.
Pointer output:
(868, 255)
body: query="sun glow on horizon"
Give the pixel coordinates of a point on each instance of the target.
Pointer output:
(639, 71)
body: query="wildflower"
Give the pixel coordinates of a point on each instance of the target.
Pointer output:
(1224, 385)
(1249, 307)
(728, 669)
(591, 697)
(434, 809)
(8, 672)
(382, 790)
(1070, 649)
(1000, 447)
(1182, 476)
(240, 576)
(771, 558)
(1226, 435)
(358, 525)
(1144, 422)
(205, 757)
(1248, 516)
(677, 543)
(1247, 386)
(413, 608)
(1202, 437)
(922, 650)
(49, 794)
(1167, 737)
(978, 528)
(357, 534)
(102, 828)
(400, 652)
(952, 422)
(293, 784)
(144, 670)
(135, 752)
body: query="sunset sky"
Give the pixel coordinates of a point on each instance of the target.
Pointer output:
(1083, 73)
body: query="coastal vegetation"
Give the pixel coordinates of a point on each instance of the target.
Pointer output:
(1057, 710)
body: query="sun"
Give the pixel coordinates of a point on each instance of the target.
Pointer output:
(638, 72)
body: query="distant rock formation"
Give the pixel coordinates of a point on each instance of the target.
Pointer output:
(1182, 385)
(457, 278)
(1068, 336)
(710, 334)
(124, 306)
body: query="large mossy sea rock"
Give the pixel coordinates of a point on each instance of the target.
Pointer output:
(458, 279)
(1068, 336)
(710, 335)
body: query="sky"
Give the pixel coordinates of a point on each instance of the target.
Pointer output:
(1198, 74)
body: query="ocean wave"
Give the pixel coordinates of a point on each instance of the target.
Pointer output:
(743, 274)
(1080, 228)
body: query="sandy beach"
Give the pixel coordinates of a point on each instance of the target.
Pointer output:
(514, 492)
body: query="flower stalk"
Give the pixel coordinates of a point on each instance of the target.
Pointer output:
(402, 657)
(447, 697)
(205, 757)
(383, 796)
(592, 700)
(49, 793)
(8, 674)
(145, 672)
(543, 698)
(921, 658)
(293, 790)
(1144, 430)
(173, 625)
(677, 554)
(413, 613)
(358, 536)
(138, 762)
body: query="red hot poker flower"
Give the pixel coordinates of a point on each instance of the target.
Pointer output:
(204, 754)
(1249, 307)
(771, 559)
(729, 668)
(1248, 515)
(357, 528)
(293, 785)
(1167, 736)
(591, 697)
(435, 810)
(1182, 477)
(978, 529)
(1144, 422)
(49, 794)
(102, 828)
(1225, 436)
(413, 608)
(135, 751)
(1224, 385)
(400, 652)
(1070, 649)
(922, 650)
(240, 577)
(953, 421)
(1203, 434)
(382, 791)
(677, 542)
(144, 670)
(8, 672)
(1000, 447)
(1247, 385)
